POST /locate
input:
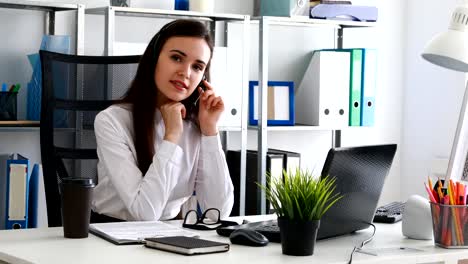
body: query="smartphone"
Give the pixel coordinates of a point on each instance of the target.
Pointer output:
(202, 85)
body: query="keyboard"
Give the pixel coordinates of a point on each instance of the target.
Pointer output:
(268, 228)
(389, 213)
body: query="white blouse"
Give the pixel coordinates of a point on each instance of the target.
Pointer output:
(197, 163)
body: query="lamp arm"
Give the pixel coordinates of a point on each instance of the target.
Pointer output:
(458, 152)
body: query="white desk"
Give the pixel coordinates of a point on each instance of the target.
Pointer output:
(48, 245)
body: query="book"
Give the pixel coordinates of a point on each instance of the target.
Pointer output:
(186, 245)
(128, 233)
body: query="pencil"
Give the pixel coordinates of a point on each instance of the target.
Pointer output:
(431, 195)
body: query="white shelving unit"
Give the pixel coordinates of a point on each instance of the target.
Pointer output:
(110, 13)
(262, 129)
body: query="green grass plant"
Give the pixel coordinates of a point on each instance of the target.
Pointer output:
(301, 196)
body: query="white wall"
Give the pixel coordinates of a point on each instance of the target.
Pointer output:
(432, 97)
(388, 37)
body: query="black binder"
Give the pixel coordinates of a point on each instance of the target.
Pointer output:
(252, 192)
(291, 160)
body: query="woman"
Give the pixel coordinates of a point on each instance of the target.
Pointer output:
(160, 144)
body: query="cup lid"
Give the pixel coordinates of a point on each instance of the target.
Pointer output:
(78, 181)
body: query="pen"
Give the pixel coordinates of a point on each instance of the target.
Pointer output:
(16, 88)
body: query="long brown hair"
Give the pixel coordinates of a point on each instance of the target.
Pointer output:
(143, 90)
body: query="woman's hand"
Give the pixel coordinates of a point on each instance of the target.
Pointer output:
(211, 108)
(173, 113)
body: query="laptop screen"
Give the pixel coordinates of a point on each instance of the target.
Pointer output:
(360, 174)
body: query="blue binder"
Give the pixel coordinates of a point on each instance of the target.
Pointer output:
(33, 197)
(369, 83)
(17, 192)
(275, 116)
(3, 171)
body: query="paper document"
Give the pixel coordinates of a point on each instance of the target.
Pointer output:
(124, 233)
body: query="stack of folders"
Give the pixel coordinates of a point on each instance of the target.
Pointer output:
(338, 89)
(22, 196)
(277, 161)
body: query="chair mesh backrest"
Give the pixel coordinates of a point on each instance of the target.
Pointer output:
(74, 90)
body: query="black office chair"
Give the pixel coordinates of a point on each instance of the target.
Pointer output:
(74, 89)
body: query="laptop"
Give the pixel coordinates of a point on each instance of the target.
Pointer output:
(360, 174)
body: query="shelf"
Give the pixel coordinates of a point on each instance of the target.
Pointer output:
(38, 5)
(294, 128)
(19, 123)
(19, 126)
(288, 21)
(162, 13)
(229, 129)
(298, 127)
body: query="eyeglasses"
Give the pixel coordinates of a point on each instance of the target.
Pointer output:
(209, 220)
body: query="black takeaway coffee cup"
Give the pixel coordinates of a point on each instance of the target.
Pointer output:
(77, 194)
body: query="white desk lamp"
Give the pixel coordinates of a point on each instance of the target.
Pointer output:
(450, 50)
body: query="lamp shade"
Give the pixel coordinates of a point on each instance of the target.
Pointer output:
(450, 49)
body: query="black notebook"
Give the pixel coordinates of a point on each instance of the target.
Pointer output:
(186, 245)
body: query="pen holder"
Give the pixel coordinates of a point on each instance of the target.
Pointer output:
(8, 104)
(450, 225)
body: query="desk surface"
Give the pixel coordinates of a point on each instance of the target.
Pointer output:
(48, 245)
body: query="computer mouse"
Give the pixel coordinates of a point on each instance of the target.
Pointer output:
(248, 237)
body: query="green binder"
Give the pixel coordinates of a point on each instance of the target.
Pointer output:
(355, 83)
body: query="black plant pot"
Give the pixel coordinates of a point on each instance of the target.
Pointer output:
(298, 237)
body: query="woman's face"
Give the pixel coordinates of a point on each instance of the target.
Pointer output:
(180, 68)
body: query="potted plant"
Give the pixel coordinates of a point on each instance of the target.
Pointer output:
(300, 200)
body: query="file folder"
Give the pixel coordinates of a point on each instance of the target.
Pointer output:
(323, 95)
(355, 88)
(369, 78)
(291, 160)
(3, 184)
(17, 192)
(226, 78)
(37, 210)
(355, 84)
(274, 165)
(281, 108)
